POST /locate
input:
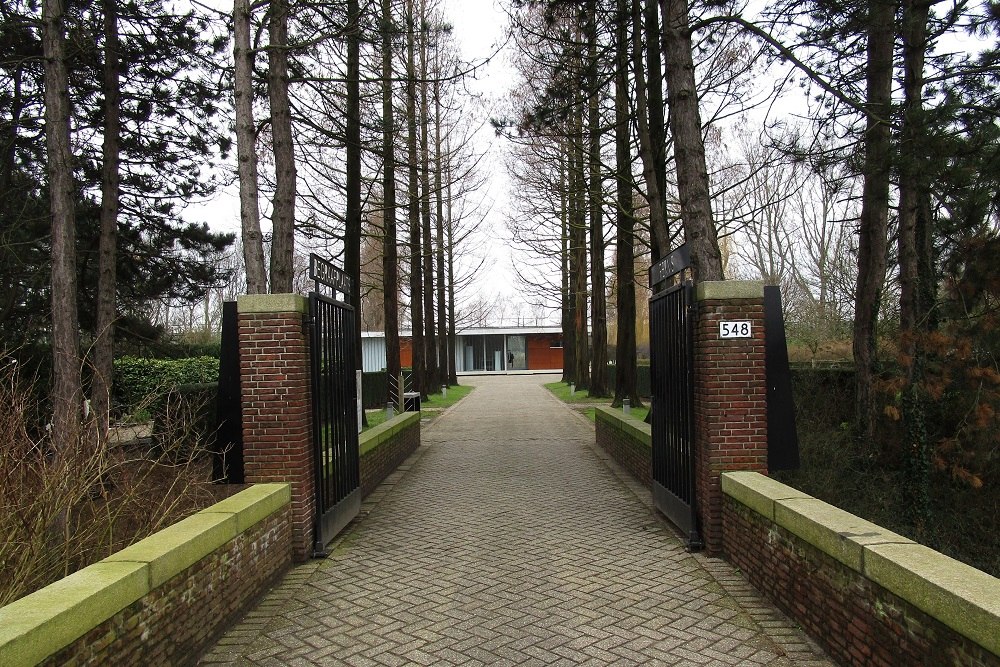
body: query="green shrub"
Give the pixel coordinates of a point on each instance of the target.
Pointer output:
(139, 381)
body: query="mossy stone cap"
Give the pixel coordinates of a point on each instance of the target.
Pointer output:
(723, 290)
(42, 623)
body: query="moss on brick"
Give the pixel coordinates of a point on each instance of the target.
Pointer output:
(636, 429)
(45, 621)
(254, 504)
(954, 594)
(179, 546)
(757, 491)
(965, 599)
(729, 289)
(833, 531)
(377, 435)
(271, 303)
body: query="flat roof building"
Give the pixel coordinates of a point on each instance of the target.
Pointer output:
(480, 350)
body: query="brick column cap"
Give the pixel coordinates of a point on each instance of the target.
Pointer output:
(271, 303)
(728, 289)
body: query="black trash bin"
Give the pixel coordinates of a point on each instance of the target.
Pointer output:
(411, 401)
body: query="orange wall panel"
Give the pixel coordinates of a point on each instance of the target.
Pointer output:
(405, 353)
(541, 354)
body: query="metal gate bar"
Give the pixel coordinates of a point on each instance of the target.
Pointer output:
(335, 425)
(672, 374)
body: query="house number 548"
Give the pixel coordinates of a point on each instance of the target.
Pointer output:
(734, 330)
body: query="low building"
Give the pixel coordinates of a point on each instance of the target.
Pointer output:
(481, 350)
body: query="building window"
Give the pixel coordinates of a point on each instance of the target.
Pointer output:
(557, 342)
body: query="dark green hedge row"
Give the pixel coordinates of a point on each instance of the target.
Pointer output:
(643, 384)
(373, 388)
(139, 381)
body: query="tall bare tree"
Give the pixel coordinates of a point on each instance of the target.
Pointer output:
(67, 392)
(431, 377)
(649, 119)
(689, 146)
(103, 347)
(283, 202)
(626, 380)
(873, 225)
(390, 268)
(598, 385)
(246, 152)
(413, 206)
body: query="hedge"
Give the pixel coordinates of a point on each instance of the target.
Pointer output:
(643, 383)
(139, 381)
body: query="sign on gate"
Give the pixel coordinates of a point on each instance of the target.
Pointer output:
(334, 399)
(326, 273)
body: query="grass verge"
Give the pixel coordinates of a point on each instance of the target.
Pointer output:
(582, 401)
(435, 403)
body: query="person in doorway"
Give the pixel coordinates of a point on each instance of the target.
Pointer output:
(510, 360)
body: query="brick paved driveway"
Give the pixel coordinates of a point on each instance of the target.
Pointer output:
(508, 539)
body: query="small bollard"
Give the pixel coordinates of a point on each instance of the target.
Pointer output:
(572, 388)
(444, 391)
(626, 406)
(388, 411)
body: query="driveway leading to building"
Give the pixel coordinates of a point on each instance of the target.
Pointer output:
(508, 539)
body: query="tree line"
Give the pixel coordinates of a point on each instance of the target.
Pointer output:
(637, 125)
(350, 131)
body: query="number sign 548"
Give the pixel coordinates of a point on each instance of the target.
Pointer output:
(734, 330)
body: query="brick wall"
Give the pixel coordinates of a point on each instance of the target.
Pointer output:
(380, 459)
(621, 437)
(277, 419)
(730, 396)
(172, 624)
(861, 591)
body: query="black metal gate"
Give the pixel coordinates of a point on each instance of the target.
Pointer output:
(671, 324)
(335, 418)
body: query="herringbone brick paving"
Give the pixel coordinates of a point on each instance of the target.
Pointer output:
(507, 540)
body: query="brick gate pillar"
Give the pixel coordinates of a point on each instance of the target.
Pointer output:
(277, 414)
(730, 395)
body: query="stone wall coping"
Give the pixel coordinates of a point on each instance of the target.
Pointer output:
(271, 303)
(965, 599)
(376, 435)
(757, 492)
(711, 290)
(636, 429)
(41, 623)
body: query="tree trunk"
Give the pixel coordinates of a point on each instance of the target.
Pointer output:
(913, 181)
(67, 392)
(598, 300)
(390, 265)
(566, 262)
(689, 146)
(626, 379)
(873, 225)
(352, 223)
(915, 280)
(283, 203)
(246, 141)
(413, 209)
(652, 149)
(578, 271)
(432, 379)
(104, 334)
(446, 361)
(452, 336)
